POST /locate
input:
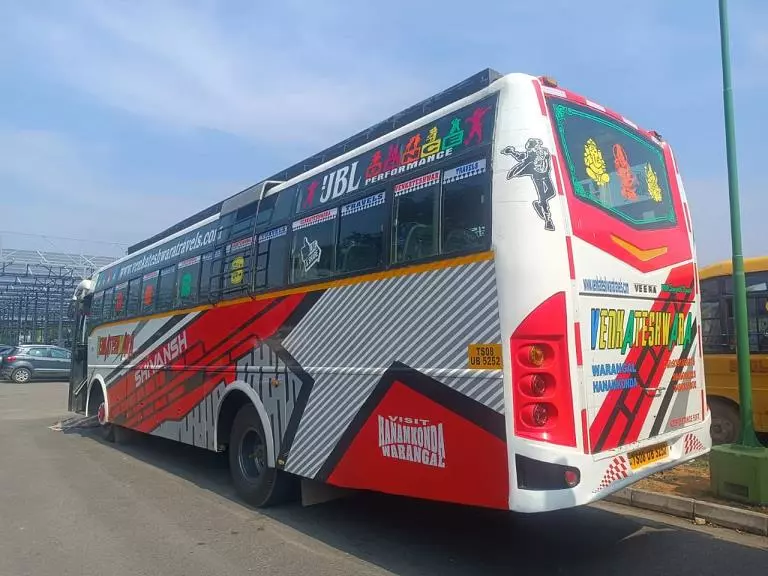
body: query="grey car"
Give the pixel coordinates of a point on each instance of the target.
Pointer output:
(36, 361)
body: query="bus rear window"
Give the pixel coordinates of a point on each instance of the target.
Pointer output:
(614, 167)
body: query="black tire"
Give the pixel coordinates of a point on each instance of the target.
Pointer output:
(726, 422)
(106, 430)
(255, 482)
(21, 375)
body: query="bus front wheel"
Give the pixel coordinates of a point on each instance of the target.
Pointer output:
(725, 422)
(255, 481)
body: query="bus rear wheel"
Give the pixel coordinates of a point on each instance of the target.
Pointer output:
(255, 481)
(725, 422)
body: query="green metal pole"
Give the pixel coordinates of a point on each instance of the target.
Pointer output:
(747, 436)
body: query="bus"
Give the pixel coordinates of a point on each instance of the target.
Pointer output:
(488, 299)
(720, 366)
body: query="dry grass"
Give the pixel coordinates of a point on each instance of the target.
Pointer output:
(691, 480)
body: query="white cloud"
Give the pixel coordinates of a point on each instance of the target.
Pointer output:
(184, 65)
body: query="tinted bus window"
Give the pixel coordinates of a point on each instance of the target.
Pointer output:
(611, 166)
(205, 277)
(134, 297)
(361, 234)
(96, 304)
(314, 243)
(466, 213)
(187, 282)
(284, 206)
(165, 288)
(149, 292)
(107, 312)
(415, 225)
(121, 294)
(266, 207)
(272, 259)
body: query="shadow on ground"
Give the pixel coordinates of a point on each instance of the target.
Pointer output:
(410, 537)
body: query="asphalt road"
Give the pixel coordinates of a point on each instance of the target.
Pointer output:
(73, 505)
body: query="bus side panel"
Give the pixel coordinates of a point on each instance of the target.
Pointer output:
(366, 385)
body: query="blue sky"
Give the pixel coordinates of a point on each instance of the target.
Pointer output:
(119, 118)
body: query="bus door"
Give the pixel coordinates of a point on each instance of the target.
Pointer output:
(78, 373)
(635, 282)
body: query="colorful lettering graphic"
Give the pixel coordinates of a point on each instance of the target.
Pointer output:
(455, 135)
(413, 149)
(375, 167)
(624, 171)
(654, 190)
(185, 286)
(617, 329)
(593, 160)
(393, 158)
(121, 344)
(475, 122)
(432, 143)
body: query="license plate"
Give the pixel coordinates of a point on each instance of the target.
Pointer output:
(647, 456)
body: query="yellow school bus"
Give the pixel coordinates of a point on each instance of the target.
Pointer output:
(719, 341)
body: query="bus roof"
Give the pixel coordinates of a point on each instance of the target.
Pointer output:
(725, 268)
(465, 88)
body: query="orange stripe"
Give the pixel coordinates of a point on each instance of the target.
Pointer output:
(644, 255)
(408, 270)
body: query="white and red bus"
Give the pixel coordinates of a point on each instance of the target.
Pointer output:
(489, 299)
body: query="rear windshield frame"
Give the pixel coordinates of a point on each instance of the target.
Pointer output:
(667, 219)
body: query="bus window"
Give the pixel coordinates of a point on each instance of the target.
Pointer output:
(187, 282)
(466, 208)
(149, 292)
(134, 297)
(416, 218)
(119, 301)
(266, 208)
(613, 167)
(165, 288)
(205, 276)
(237, 266)
(361, 234)
(284, 206)
(107, 312)
(96, 304)
(314, 243)
(712, 329)
(272, 259)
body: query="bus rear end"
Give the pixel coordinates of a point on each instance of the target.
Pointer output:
(636, 298)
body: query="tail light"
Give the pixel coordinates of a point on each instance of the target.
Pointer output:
(10, 358)
(541, 384)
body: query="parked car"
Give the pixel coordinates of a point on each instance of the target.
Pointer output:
(36, 362)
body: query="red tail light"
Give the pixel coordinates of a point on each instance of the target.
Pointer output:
(541, 384)
(10, 358)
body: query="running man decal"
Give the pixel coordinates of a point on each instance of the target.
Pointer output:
(536, 163)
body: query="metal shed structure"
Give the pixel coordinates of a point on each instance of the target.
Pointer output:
(36, 288)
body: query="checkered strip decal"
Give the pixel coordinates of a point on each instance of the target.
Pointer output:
(315, 219)
(353, 334)
(417, 183)
(363, 204)
(617, 470)
(692, 444)
(464, 171)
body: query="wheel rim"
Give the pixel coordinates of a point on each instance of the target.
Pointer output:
(721, 431)
(22, 375)
(251, 455)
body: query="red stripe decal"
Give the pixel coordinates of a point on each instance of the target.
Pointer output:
(703, 406)
(584, 429)
(540, 97)
(687, 216)
(577, 334)
(558, 177)
(575, 97)
(571, 265)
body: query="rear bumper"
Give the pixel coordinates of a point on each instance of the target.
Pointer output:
(609, 472)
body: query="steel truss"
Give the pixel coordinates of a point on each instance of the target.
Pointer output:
(36, 288)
